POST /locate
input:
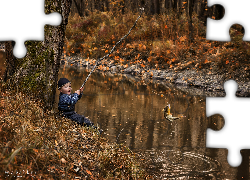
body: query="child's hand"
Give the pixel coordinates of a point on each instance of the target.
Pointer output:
(81, 89)
(77, 92)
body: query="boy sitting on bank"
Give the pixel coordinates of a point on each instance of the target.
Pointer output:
(67, 101)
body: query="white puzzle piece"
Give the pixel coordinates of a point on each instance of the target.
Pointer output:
(237, 122)
(236, 12)
(27, 23)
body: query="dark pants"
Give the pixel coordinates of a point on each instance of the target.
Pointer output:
(80, 119)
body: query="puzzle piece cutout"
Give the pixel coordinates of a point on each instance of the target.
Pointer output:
(42, 32)
(236, 12)
(27, 24)
(237, 123)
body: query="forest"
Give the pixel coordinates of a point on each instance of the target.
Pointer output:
(85, 7)
(170, 35)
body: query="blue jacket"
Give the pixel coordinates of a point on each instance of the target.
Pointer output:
(67, 102)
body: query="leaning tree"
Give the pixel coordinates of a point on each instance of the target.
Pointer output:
(37, 72)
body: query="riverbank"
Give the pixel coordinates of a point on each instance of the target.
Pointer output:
(203, 82)
(159, 48)
(42, 145)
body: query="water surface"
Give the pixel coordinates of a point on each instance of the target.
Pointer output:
(130, 112)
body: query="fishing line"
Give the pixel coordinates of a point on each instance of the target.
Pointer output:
(107, 55)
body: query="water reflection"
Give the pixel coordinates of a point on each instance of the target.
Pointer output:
(130, 112)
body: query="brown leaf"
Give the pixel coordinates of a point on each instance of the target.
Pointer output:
(89, 172)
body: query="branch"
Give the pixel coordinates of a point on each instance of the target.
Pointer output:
(107, 55)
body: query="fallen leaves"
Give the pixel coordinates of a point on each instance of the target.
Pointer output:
(52, 146)
(89, 172)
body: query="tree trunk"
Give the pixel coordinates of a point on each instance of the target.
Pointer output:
(151, 6)
(190, 10)
(56, 50)
(170, 4)
(79, 7)
(203, 14)
(97, 4)
(156, 7)
(10, 60)
(37, 72)
(180, 7)
(166, 5)
(175, 6)
(106, 5)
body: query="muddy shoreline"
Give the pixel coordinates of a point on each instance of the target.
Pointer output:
(190, 81)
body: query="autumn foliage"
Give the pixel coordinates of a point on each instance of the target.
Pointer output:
(157, 42)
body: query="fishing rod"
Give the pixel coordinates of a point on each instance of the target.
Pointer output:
(107, 55)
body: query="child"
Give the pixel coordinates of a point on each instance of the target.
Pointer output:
(67, 102)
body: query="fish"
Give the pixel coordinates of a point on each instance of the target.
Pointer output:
(168, 115)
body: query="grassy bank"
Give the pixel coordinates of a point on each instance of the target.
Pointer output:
(157, 42)
(39, 145)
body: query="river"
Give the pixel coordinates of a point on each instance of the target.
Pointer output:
(130, 112)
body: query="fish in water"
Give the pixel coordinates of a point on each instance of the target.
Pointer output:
(167, 113)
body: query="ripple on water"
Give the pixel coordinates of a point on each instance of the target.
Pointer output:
(178, 164)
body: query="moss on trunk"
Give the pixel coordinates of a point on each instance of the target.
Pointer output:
(37, 72)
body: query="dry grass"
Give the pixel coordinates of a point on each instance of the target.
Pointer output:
(41, 145)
